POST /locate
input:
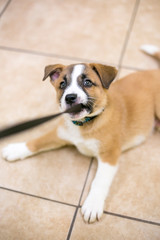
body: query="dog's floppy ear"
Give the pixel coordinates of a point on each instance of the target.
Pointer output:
(106, 73)
(53, 71)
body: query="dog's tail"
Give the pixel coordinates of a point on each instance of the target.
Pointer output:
(151, 50)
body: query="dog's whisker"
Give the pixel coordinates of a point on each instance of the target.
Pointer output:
(89, 105)
(91, 98)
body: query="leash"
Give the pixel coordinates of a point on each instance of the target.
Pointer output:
(16, 128)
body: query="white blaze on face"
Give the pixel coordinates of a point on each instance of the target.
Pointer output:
(74, 88)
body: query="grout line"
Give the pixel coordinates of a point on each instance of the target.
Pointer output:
(91, 163)
(36, 196)
(43, 54)
(72, 224)
(76, 211)
(132, 20)
(132, 218)
(53, 55)
(5, 7)
(79, 206)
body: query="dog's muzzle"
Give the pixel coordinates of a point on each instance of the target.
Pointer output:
(72, 99)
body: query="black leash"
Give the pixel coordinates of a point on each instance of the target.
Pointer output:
(35, 122)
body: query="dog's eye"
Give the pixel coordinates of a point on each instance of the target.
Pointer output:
(87, 83)
(63, 85)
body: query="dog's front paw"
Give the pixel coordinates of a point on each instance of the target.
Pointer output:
(16, 151)
(92, 208)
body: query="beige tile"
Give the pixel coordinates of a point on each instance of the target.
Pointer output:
(114, 228)
(135, 190)
(2, 4)
(124, 72)
(28, 218)
(84, 29)
(58, 174)
(145, 31)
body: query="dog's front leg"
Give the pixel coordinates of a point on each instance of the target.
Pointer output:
(23, 150)
(92, 208)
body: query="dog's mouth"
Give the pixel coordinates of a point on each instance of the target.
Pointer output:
(85, 110)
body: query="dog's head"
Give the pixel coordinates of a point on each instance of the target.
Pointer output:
(81, 83)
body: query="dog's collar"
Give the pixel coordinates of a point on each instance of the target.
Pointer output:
(85, 120)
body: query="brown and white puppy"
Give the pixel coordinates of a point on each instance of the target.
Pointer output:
(114, 118)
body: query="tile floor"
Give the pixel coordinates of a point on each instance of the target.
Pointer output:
(40, 197)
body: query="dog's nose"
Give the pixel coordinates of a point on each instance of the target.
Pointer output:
(71, 98)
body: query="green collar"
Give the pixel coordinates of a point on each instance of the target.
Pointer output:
(86, 119)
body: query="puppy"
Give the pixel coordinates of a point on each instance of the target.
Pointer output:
(114, 118)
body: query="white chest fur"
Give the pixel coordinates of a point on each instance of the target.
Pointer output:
(71, 133)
